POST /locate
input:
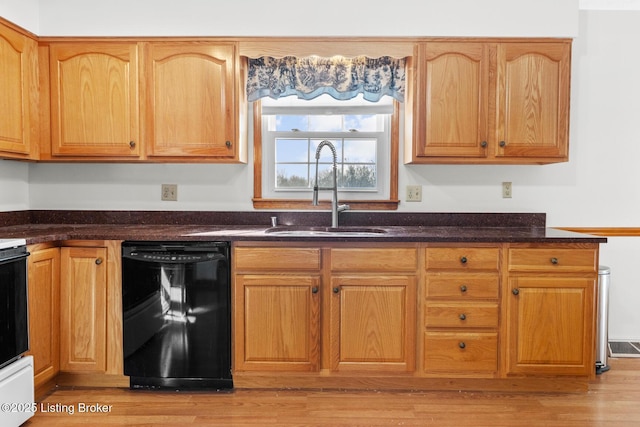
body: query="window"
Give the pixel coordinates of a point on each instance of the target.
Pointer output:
(290, 132)
(292, 129)
(351, 102)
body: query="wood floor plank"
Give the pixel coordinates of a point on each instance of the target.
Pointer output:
(613, 399)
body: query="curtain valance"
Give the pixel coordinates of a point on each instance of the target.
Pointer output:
(342, 78)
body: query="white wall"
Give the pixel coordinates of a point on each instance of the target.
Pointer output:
(292, 17)
(597, 187)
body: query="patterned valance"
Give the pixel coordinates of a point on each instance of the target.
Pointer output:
(342, 78)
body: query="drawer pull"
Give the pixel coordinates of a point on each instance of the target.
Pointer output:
(515, 291)
(461, 344)
(462, 317)
(554, 261)
(463, 259)
(463, 288)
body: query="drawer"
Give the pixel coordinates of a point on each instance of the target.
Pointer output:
(461, 315)
(374, 259)
(462, 285)
(553, 259)
(463, 258)
(460, 352)
(269, 259)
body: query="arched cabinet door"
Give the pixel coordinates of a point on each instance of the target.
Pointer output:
(94, 99)
(18, 103)
(190, 105)
(533, 100)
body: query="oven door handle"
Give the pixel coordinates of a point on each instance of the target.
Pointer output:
(14, 258)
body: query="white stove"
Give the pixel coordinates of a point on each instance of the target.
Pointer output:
(11, 243)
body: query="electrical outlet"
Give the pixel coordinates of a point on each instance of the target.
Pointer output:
(507, 190)
(169, 192)
(414, 193)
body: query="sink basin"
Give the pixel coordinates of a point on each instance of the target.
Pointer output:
(324, 231)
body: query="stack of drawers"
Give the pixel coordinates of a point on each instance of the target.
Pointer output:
(461, 310)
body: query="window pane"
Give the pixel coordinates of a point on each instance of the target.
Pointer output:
(292, 150)
(292, 176)
(286, 123)
(360, 151)
(325, 123)
(362, 123)
(359, 176)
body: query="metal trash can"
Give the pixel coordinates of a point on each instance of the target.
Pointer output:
(602, 344)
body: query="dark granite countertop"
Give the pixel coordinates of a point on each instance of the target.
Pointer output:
(46, 226)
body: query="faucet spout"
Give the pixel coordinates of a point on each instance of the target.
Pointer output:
(335, 208)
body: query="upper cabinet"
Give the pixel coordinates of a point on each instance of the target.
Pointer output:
(190, 104)
(143, 101)
(94, 99)
(489, 102)
(19, 100)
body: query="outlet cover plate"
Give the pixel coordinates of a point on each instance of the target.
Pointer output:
(414, 193)
(169, 192)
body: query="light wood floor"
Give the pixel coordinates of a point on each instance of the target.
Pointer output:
(613, 400)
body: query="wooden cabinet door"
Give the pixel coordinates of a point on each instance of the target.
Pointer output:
(19, 91)
(94, 99)
(533, 100)
(83, 309)
(373, 323)
(190, 100)
(277, 323)
(454, 95)
(550, 325)
(44, 313)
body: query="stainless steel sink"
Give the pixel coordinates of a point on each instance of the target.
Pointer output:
(324, 231)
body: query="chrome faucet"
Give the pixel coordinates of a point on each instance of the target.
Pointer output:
(335, 208)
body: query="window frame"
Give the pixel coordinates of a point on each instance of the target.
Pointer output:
(259, 202)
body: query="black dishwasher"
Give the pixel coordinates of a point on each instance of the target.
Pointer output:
(176, 303)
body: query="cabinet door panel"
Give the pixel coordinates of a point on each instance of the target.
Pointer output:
(94, 99)
(456, 99)
(533, 99)
(550, 325)
(18, 86)
(191, 100)
(83, 309)
(277, 323)
(373, 323)
(44, 313)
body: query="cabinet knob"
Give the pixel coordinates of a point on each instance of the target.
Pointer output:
(554, 261)
(462, 317)
(515, 291)
(336, 290)
(314, 290)
(503, 144)
(463, 288)
(228, 143)
(98, 261)
(463, 259)
(483, 144)
(132, 144)
(462, 344)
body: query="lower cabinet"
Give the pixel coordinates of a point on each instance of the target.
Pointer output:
(44, 312)
(550, 306)
(277, 322)
(403, 315)
(90, 307)
(84, 301)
